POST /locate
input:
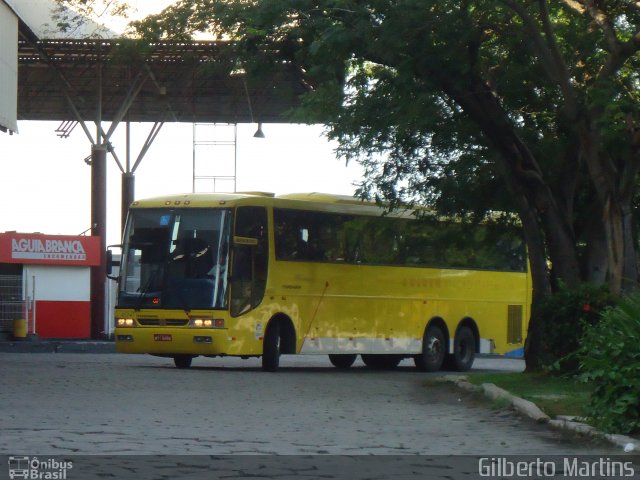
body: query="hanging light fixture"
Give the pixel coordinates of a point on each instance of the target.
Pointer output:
(259, 133)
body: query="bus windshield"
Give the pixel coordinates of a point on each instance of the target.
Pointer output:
(175, 259)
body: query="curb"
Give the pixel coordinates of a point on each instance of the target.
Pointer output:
(59, 346)
(531, 410)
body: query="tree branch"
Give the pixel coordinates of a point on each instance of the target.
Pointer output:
(564, 77)
(604, 22)
(618, 52)
(547, 51)
(575, 5)
(616, 59)
(541, 48)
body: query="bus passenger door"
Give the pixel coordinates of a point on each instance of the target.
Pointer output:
(250, 259)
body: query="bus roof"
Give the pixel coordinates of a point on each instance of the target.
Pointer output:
(311, 201)
(198, 199)
(314, 201)
(326, 198)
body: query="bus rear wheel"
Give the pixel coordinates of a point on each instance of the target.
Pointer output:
(271, 348)
(433, 350)
(381, 362)
(182, 361)
(342, 360)
(464, 351)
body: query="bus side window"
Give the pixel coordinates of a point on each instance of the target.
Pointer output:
(249, 268)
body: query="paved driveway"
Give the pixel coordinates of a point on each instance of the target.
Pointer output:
(129, 404)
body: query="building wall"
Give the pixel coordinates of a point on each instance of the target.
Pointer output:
(8, 68)
(62, 300)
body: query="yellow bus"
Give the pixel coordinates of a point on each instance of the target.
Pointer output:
(255, 274)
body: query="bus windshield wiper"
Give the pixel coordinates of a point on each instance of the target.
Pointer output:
(147, 286)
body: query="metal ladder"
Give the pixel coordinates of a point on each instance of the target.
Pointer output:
(214, 157)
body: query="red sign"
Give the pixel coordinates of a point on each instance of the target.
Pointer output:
(39, 249)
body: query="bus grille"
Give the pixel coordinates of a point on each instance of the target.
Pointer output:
(514, 323)
(169, 322)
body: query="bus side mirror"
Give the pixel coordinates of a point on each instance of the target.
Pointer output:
(111, 262)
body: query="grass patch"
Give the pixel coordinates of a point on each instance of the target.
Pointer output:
(554, 395)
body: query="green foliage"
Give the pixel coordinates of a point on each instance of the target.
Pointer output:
(562, 318)
(610, 361)
(389, 79)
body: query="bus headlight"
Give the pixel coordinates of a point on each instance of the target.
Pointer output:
(124, 322)
(207, 322)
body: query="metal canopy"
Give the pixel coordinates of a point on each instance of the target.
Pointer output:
(172, 81)
(95, 80)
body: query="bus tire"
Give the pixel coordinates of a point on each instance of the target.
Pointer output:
(464, 350)
(381, 362)
(182, 361)
(342, 360)
(271, 348)
(433, 350)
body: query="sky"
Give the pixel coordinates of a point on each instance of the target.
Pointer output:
(45, 183)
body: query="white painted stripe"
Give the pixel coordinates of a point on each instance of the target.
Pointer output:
(486, 346)
(58, 283)
(408, 346)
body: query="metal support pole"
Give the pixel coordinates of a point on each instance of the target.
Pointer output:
(127, 190)
(33, 308)
(128, 196)
(98, 229)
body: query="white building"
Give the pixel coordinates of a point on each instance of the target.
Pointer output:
(44, 279)
(8, 67)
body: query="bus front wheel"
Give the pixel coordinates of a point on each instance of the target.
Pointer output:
(342, 360)
(433, 350)
(182, 361)
(271, 348)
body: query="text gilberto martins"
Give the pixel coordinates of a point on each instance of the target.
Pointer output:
(571, 467)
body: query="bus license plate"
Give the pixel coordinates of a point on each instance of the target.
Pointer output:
(162, 337)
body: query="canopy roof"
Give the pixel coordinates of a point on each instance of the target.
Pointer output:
(194, 81)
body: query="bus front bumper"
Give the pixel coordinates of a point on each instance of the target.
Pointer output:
(172, 341)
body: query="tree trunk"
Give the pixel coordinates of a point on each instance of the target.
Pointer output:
(615, 188)
(618, 222)
(539, 278)
(596, 259)
(630, 267)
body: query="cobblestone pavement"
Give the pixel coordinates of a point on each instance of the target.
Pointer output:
(111, 404)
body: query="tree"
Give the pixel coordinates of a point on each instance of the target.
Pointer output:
(542, 96)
